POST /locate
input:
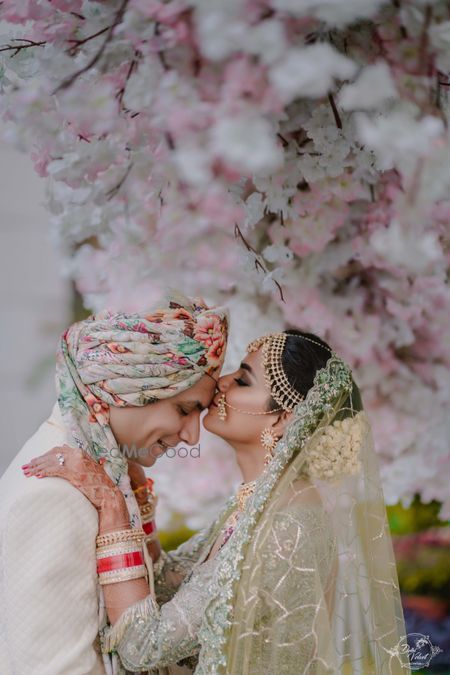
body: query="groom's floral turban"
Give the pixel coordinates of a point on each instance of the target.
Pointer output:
(134, 359)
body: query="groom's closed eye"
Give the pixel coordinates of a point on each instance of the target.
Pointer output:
(190, 406)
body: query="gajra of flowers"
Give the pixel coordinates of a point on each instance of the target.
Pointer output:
(337, 451)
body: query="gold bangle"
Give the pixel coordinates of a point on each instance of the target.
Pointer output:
(151, 501)
(147, 517)
(150, 537)
(119, 549)
(126, 574)
(120, 535)
(146, 508)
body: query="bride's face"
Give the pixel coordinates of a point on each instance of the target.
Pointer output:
(244, 389)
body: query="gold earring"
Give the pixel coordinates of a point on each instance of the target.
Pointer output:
(268, 441)
(222, 411)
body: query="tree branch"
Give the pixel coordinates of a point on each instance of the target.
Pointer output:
(336, 115)
(112, 193)
(70, 80)
(17, 48)
(121, 93)
(72, 50)
(258, 264)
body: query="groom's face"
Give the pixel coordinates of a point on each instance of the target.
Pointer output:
(145, 433)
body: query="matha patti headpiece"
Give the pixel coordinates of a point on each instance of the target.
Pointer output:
(277, 382)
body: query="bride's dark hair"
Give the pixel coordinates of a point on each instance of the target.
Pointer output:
(302, 359)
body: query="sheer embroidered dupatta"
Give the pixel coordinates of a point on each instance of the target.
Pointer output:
(309, 584)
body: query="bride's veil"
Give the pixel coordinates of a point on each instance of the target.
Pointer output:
(310, 583)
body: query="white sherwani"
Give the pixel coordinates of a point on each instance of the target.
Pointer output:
(49, 594)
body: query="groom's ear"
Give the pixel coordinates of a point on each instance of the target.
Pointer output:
(282, 421)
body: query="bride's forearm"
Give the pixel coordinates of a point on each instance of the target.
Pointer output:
(113, 517)
(121, 595)
(154, 549)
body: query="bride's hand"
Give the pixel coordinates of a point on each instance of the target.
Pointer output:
(81, 471)
(138, 479)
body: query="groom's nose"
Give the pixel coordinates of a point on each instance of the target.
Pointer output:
(223, 383)
(190, 431)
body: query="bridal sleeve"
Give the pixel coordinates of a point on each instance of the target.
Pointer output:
(146, 636)
(171, 568)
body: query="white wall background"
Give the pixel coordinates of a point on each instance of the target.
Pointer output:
(34, 302)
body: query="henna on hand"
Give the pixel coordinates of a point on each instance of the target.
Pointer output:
(83, 472)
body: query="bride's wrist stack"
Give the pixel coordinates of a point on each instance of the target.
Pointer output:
(119, 548)
(120, 556)
(147, 501)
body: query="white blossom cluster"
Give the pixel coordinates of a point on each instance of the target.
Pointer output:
(289, 156)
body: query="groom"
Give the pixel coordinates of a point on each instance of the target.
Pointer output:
(110, 368)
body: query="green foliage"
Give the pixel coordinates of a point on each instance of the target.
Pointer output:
(426, 573)
(173, 538)
(415, 518)
(423, 567)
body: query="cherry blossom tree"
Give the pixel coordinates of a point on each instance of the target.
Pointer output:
(291, 157)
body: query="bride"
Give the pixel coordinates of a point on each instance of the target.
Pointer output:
(296, 574)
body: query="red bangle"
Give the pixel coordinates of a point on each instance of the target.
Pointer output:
(149, 527)
(116, 562)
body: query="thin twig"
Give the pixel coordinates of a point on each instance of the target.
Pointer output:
(17, 48)
(71, 79)
(258, 264)
(161, 54)
(170, 141)
(424, 39)
(336, 115)
(283, 140)
(72, 50)
(121, 93)
(112, 193)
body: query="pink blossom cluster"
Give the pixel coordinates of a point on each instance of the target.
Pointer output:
(289, 155)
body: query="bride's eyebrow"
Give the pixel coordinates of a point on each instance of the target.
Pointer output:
(248, 368)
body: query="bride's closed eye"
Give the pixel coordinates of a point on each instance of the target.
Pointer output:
(241, 382)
